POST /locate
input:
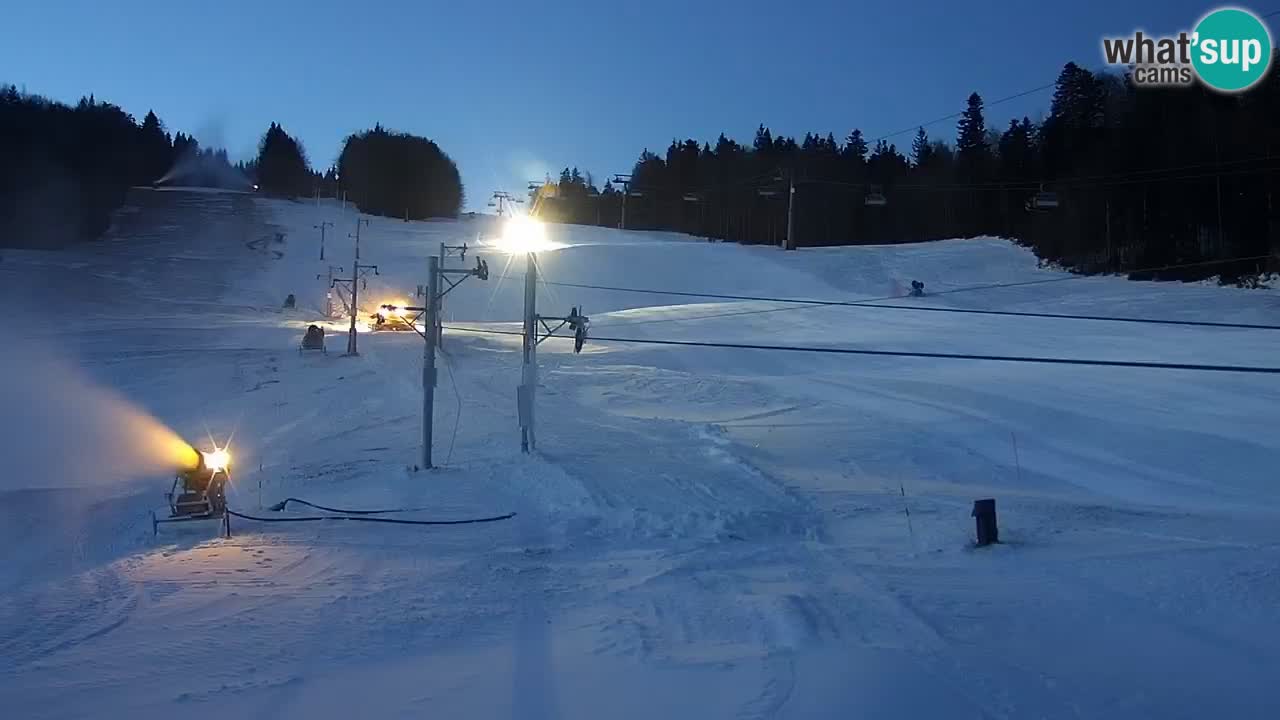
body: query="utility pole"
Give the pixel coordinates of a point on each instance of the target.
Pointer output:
(328, 289)
(355, 307)
(431, 337)
(790, 243)
(625, 181)
(322, 226)
(429, 358)
(358, 273)
(1107, 209)
(359, 221)
(529, 368)
(767, 191)
(447, 251)
(526, 394)
(702, 211)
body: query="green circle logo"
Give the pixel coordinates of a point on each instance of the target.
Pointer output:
(1232, 49)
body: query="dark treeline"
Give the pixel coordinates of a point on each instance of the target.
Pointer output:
(64, 169)
(1143, 177)
(383, 172)
(281, 167)
(397, 174)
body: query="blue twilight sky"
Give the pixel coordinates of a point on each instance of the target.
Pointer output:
(515, 90)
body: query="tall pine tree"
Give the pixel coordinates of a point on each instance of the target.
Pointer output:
(282, 164)
(921, 150)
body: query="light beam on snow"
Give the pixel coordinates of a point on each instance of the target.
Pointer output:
(63, 430)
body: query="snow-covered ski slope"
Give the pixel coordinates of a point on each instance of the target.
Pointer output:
(703, 532)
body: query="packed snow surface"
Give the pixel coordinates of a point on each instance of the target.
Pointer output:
(701, 532)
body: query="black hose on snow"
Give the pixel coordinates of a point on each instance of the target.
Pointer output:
(364, 518)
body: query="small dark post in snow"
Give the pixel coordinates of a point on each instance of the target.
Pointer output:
(985, 512)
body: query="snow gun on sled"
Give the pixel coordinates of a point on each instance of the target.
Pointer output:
(199, 489)
(391, 317)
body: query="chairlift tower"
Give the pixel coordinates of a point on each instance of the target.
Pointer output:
(624, 179)
(322, 227)
(328, 289)
(788, 241)
(359, 222)
(502, 199)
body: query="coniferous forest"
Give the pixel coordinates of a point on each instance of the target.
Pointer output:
(1138, 178)
(1143, 178)
(65, 169)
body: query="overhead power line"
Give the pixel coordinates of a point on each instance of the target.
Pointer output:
(801, 303)
(993, 103)
(956, 115)
(915, 354)
(1222, 168)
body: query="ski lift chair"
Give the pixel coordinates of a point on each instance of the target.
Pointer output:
(875, 198)
(1043, 200)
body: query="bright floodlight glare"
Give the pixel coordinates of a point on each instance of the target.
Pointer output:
(218, 460)
(523, 234)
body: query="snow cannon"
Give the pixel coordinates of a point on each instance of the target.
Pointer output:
(313, 340)
(199, 488)
(391, 317)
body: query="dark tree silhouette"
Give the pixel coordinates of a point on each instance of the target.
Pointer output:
(399, 175)
(1144, 177)
(155, 148)
(921, 149)
(281, 165)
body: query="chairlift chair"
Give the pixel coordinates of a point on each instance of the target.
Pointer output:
(1043, 200)
(875, 198)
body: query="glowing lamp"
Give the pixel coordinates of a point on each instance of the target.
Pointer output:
(218, 460)
(523, 234)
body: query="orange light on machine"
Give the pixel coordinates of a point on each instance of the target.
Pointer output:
(215, 461)
(187, 457)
